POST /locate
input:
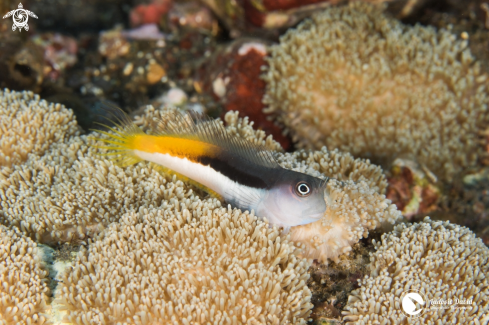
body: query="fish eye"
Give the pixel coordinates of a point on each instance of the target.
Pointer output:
(302, 189)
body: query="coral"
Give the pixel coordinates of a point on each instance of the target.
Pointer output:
(354, 79)
(268, 18)
(192, 15)
(242, 127)
(59, 53)
(24, 293)
(31, 125)
(412, 189)
(21, 64)
(442, 261)
(151, 13)
(354, 208)
(232, 77)
(69, 192)
(112, 44)
(356, 203)
(86, 193)
(355, 200)
(189, 262)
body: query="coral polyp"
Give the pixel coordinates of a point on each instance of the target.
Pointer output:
(355, 79)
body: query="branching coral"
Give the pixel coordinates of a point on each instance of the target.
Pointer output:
(192, 262)
(442, 261)
(354, 79)
(23, 293)
(30, 125)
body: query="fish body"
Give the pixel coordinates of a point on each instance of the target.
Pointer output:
(243, 174)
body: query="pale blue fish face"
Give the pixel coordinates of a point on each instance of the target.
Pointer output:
(295, 199)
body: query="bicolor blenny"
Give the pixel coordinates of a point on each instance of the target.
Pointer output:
(243, 174)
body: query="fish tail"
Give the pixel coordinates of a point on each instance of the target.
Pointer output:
(118, 142)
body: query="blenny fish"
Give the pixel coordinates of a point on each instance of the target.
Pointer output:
(244, 174)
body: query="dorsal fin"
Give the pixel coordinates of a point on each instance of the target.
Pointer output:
(199, 126)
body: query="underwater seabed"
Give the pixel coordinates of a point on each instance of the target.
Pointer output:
(386, 100)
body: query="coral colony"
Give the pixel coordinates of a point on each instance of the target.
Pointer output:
(334, 80)
(436, 258)
(89, 239)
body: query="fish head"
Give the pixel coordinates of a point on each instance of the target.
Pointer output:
(294, 199)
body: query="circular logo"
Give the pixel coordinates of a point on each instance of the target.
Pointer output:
(413, 303)
(20, 17)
